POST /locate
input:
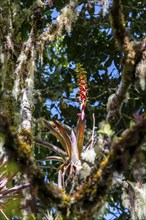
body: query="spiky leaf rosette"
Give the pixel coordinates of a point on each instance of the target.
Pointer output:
(8, 191)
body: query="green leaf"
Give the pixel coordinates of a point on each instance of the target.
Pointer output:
(106, 130)
(132, 123)
(52, 147)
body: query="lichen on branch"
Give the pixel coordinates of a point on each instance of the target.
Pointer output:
(132, 54)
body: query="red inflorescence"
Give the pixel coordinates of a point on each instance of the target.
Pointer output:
(82, 82)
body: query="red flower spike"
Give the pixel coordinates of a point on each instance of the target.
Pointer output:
(82, 82)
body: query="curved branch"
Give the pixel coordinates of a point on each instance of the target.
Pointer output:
(132, 53)
(49, 195)
(90, 196)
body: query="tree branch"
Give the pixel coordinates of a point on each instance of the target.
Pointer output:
(90, 196)
(132, 54)
(20, 152)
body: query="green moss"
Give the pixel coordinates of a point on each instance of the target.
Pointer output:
(25, 143)
(66, 198)
(24, 150)
(31, 217)
(26, 136)
(7, 106)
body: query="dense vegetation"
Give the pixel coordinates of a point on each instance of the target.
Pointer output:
(72, 109)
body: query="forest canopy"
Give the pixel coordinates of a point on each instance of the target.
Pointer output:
(72, 109)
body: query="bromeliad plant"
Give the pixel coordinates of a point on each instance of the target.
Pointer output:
(72, 142)
(8, 192)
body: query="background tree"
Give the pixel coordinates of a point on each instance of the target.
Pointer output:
(51, 54)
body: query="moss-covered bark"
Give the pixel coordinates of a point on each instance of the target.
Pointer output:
(90, 196)
(132, 55)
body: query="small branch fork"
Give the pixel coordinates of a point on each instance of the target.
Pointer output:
(132, 55)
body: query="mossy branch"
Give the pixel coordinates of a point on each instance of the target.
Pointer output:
(65, 20)
(90, 196)
(19, 151)
(132, 54)
(118, 23)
